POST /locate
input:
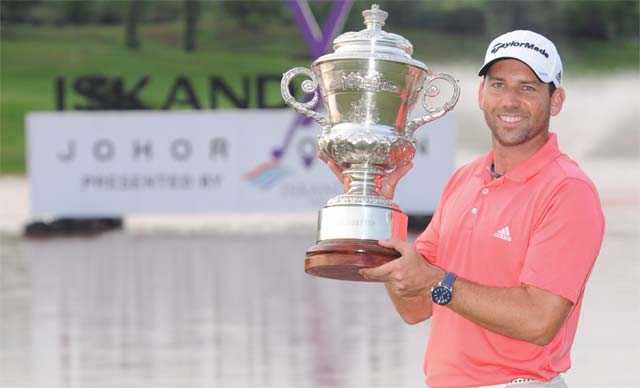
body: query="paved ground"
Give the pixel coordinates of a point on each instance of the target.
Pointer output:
(222, 301)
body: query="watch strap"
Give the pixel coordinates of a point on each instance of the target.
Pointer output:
(448, 280)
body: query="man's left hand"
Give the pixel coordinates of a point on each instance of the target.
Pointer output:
(407, 276)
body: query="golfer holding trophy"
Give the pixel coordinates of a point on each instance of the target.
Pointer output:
(369, 86)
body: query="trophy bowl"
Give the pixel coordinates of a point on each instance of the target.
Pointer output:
(369, 85)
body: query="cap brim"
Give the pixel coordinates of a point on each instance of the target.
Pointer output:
(484, 69)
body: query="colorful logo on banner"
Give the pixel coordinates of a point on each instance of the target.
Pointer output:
(318, 41)
(267, 174)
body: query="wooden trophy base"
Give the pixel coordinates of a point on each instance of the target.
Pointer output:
(341, 259)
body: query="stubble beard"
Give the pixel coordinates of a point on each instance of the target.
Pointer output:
(511, 137)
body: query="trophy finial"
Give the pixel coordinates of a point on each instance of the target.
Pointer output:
(374, 18)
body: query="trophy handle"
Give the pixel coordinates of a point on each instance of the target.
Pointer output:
(431, 90)
(308, 86)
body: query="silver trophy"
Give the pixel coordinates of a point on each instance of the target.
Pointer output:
(369, 85)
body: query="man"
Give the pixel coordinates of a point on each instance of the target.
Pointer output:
(501, 268)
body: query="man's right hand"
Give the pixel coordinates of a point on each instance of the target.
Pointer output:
(388, 182)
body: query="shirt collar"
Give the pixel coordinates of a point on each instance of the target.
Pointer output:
(529, 167)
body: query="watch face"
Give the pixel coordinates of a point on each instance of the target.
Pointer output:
(441, 295)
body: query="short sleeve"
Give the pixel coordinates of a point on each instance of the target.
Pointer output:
(427, 242)
(565, 241)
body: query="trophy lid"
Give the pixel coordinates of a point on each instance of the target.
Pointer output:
(373, 42)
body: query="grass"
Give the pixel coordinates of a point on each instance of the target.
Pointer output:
(32, 57)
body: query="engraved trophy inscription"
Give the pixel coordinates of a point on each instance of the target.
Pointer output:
(368, 85)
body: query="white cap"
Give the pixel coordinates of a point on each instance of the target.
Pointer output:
(531, 48)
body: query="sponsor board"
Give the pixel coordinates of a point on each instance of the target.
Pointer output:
(90, 164)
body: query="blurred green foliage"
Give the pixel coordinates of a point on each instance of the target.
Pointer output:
(44, 40)
(598, 19)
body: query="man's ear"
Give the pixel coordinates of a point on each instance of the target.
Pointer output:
(480, 92)
(557, 100)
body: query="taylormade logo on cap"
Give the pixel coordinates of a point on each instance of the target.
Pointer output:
(531, 48)
(526, 45)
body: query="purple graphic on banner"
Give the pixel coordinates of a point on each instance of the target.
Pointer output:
(318, 41)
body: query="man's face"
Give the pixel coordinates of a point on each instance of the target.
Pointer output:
(516, 105)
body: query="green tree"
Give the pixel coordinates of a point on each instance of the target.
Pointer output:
(190, 22)
(77, 12)
(604, 20)
(252, 15)
(132, 38)
(13, 11)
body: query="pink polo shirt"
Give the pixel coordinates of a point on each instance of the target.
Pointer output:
(540, 224)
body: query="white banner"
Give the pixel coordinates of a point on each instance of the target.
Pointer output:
(90, 164)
